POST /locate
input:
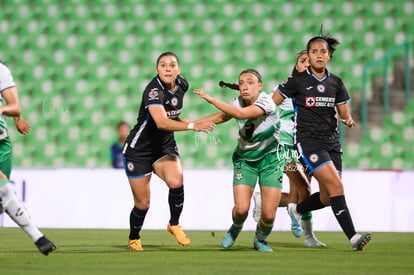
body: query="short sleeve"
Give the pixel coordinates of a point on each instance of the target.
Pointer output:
(6, 78)
(342, 93)
(265, 102)
(183, 83)
(153, 96)
(288, 87)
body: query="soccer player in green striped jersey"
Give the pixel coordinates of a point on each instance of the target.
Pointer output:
(10, 106)
(258, 156)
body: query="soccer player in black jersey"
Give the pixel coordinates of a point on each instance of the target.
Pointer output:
(151, 147)
(317, 96)
(299, 182)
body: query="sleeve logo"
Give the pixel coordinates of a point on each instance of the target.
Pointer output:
(153, 94)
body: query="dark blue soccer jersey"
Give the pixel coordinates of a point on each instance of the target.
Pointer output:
(315, 100)
(145, 135)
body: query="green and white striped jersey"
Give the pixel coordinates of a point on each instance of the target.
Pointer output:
(258, 136)
(6, 81)
(287, 121)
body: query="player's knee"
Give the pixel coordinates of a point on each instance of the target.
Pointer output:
(142, 203)
(240, 210)
(174, 182)
(267, 220)
(7, 194)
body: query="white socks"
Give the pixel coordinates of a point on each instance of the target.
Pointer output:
(355, 238)
(307, 228)
(17, 212)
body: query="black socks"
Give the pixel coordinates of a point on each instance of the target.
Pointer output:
(342, 215)
(313, 202)
(136, 220)
(176, 202)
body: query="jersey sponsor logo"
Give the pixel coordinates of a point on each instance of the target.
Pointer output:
(313, 158)
(308, 88)
(321, 88)
(319, 101)
(173, 114)
(325, 101)
(310, 101)
(153, 94)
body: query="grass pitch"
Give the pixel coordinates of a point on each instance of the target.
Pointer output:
(102, 251)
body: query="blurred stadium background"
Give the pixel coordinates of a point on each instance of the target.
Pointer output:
(81, 67)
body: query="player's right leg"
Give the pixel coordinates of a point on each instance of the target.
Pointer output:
(242, 196)
(141, 192)
(244, 181)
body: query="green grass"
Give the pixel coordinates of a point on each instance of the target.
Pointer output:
(90, 251)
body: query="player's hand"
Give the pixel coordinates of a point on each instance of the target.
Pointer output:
(22, 125)
(348, 122)
(203, 95)
(205, 126)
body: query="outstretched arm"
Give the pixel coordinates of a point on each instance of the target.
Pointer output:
(216, 118)
(250, 111)
(159, 115)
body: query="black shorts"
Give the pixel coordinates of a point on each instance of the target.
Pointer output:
(140, 163)
(315, 154)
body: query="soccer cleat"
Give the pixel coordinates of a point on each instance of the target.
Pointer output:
(179, 234)
(257, 210)
(135, 245)
(312, 241)
(362, 241)
(261, 246)
(295, 217)
(230, 237)
(45, 245)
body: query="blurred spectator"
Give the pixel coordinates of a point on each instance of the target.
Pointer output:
(117, 160)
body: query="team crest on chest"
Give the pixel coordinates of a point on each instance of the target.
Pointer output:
(174, 101)
(321, 88)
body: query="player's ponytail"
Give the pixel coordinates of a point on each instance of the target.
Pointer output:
(232, 86)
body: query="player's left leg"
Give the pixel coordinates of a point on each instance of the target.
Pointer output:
(19, 214)
(270, 175)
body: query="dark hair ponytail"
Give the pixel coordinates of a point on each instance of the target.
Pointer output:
(232, 86)
(235, 86)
